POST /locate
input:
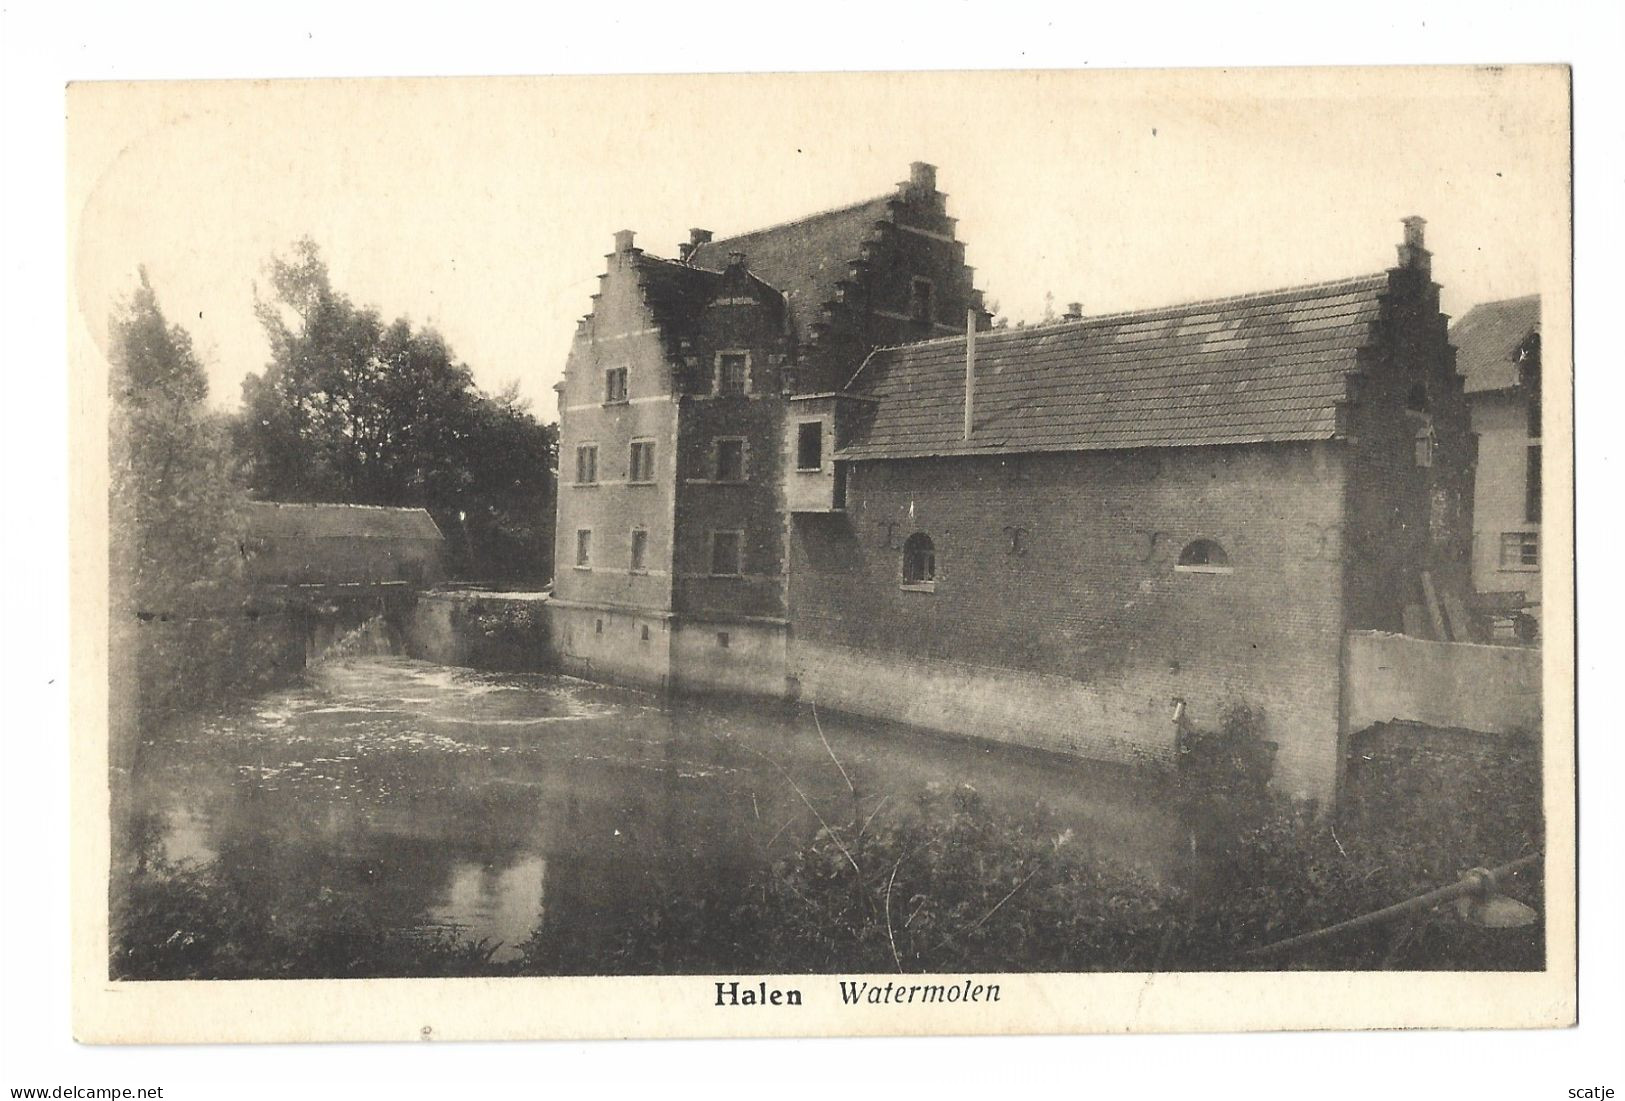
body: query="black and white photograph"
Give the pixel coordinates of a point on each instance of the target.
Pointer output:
(856, 548)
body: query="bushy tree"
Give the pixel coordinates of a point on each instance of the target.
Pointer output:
(173, 505)
(351, 409)
(173, 521)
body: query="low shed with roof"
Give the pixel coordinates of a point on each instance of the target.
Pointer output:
(341, 544)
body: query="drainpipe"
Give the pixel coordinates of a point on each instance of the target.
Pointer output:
(970, 369)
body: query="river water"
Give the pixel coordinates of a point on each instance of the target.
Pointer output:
(495, 804)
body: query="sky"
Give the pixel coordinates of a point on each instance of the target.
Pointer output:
(485, 207)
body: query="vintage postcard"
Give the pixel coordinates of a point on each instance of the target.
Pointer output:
(831, 554)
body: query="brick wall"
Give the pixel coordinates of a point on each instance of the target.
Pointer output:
(1061, 570)
(745, 317)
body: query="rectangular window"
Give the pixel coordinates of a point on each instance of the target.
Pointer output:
(920, 300)
(725, 550)
(584, 549)
(838, 501)
(641, 468)
(615, 384)
(1424, 447)
(730, 459)
(733, 373)
(810, 445)
(1531, 485)
(1520, 550)
(640, 550)
(587, 464)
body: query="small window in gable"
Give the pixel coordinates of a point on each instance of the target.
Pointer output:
(1417, 400)
(920, 300)
(919, 562)
(615, 384)
(810, 445)
(1203, 556)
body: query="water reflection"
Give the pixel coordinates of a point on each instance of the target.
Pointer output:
(493, 803)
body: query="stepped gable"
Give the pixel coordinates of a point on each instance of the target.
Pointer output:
(1257, 368)
(802, 259)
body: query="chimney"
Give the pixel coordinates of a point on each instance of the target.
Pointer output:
(623, 240)
(698, 237)
(922, 176)
(970, 369)
(685, 251)
(1413, 254)
(1074, 312)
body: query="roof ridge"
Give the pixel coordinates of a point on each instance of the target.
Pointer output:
(342, 504)
(1148, 313)
(677, 265)
(1498, 303)
(842, 209)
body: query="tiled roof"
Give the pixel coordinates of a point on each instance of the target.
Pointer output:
(280, 520)
(1487, 340)
(804, 258)
(1257, 368)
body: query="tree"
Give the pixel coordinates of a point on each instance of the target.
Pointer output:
(173, 505)
(352, 410)
(173, 528)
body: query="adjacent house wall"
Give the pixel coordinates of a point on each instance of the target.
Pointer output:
(1501, 419)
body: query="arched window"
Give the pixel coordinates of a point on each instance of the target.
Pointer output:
(1203, 556)
(919, 561)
